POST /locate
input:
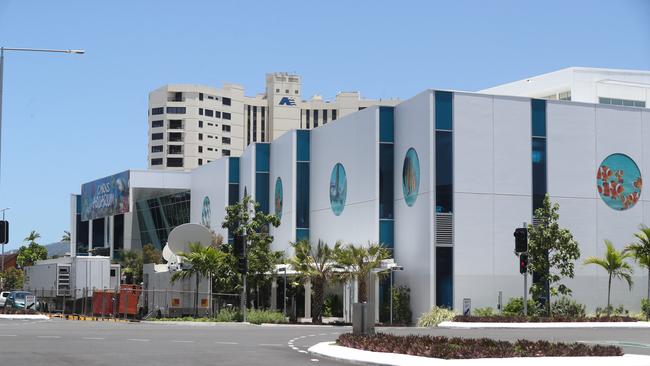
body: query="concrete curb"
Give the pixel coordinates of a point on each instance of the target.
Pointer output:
(356, 356)
(194, 324)
(532, 325)
(24, 316)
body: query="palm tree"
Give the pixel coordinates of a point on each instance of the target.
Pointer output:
(131, 262)
(615, 265)
(66, 236)
(640, 250)
(359, 261)
(203, 262)
(31, 238)
(317, 264)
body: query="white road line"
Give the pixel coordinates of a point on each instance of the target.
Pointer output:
(314, 360)
(93, 338)
(138, 339)
(226, 342)
(322, 334)
(270, 344)
(311, 335)
(8, 335)
(301, 351)
(183, 341)
(48, 336)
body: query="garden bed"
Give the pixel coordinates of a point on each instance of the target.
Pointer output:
(13, 311)
(469, 348)
(535, 319)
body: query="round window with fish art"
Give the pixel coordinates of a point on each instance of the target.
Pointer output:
(411, 177)
(338, 189)
(619, 182)
(205, 212)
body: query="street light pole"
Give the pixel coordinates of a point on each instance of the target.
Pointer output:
(2, 59)
(3, 213)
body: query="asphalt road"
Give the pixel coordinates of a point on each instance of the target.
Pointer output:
(61, 342)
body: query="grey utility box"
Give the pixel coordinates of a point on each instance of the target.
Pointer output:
(363, 318)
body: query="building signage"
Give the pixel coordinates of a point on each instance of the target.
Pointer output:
(105, 197)
(288, 101)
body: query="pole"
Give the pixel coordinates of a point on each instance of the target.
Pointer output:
(243, 297)
(284, 294)
(2, 63)
(391, 296)
(3, 211)
(526, 285)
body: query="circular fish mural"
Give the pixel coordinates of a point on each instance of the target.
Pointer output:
(278, 198)
(619, 182)
(411, 177)
(205, 212)
(338, 189)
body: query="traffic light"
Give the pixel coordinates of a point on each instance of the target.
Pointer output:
(4, 232)
(238, 247)
(242, 265)
(521, 240)
(523, 263)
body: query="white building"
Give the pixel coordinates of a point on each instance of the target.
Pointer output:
(191, 125)
(583, 84)
(442, 178)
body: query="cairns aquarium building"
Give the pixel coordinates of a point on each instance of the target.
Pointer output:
(442, 179)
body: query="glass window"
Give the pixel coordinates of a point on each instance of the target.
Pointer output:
(302, 195)
(156, 148)
(176, 110)
(307, 112)
(200, 124)
(444, 110)
(262, 153)
(200, 137)
(201, 96)
(217, 114)
(302, 145)
(315, 118)
(176, 124)
(444, 171)
(387, 233)
(225, 101)
(200, 149)
(200, 111)
(157, 136)
(538, 110)
(175, 149)
(539, 172)
(444, 277)
(386, 183)
(225, 128)
(386, 125)
(233, 170)
(200, 161)
(334, 111)
(225, 115)
(175, 162)
(156, 161)
(175, 137)
(262, 191)
(155, 111)
(118, 232)
(209, 112)
(158, 123)
(98, 233)
(225, 152)
(225, 140)
(324, 116)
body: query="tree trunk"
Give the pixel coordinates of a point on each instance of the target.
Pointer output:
(363, 289)
(648, 283)
(318, 288)
(609, 291)
(196, 298)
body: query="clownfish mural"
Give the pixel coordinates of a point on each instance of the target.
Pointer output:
(619, 182)
(411, 177)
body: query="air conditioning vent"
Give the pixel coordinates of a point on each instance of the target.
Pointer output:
(444, 229)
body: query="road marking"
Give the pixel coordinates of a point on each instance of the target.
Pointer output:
(314, 360)
(8, 335)
(301, 351)
(311, 335)
(270, 344)
(93, 338)
(322, 334)
(183, 341)
(226, 342)
(138, 339)
(48, 336)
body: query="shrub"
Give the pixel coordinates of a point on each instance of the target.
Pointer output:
(568, 307)
(464, 348)
(402, 313)
(332, 306)
(265, 316)
(228, 315)
(618, 311)
(645, 308)
(536, 319)
(486, 311)
(435, 316)
(515, 307)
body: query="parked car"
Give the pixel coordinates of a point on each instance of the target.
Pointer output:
(21, 300)
(3, 298)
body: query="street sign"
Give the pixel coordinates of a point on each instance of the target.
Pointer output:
(4, 232)
(467, 306)
(30, 302)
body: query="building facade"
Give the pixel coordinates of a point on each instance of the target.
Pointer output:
(191, 125)
(442, 179)
(630, 88)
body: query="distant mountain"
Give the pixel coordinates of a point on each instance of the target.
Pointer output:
(57, 249)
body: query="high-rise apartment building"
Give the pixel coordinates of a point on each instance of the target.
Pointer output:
(191, 125)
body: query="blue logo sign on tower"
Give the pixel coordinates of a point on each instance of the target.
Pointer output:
(288, 101)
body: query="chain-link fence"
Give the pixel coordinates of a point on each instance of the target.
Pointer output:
(131, 302)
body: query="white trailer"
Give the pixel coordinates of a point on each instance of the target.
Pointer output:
(161, 296)
(72, 277)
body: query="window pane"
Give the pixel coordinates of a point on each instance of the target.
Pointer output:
(539, 171)
(444, 277)
(444, 172)
(302, 195)
(386, 183)
(443, 107)
(538, 110)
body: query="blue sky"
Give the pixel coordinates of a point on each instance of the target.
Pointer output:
(70, 119)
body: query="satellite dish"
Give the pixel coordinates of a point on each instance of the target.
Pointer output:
(168, 255)
(180, 238)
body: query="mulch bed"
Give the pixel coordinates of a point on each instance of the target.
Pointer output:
(466, 348)
(18, 311)
(534, 319)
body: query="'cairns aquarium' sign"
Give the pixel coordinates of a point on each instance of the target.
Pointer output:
(105, 197)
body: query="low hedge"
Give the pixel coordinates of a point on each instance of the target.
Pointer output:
(465, 348)
(4, 310)
(535, 319)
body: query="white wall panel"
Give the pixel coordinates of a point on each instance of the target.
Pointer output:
(211, 180)
(512, 146)
(247, 172)
(283, 166)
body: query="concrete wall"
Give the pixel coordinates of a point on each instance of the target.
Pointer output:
(211, 181)
(283, 166)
